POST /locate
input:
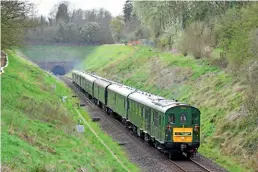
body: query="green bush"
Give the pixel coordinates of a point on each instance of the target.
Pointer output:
(169, 38)
(237, 34)
(233, 33)
(197, 39)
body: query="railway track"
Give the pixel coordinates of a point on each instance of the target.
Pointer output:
(68, 81)
(182, 165)
(190, 166)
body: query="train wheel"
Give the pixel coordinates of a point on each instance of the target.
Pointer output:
(166, 154)
(170, 156)
(189, 156)
(138, 132)
(134, 129)
(146, 137)
(151, 142)
(142, 135)
(155, 144)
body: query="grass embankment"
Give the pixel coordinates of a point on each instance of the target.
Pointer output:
(38, 129)
(53, 53)
(229, 134)
(59, 53)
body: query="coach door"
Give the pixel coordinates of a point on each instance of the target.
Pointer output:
(148, 120)
(156, 126)
(142, 118)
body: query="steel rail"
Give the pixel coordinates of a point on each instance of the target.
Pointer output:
(184, 167)
(205, 168)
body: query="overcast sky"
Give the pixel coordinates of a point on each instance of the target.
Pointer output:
(115, 7)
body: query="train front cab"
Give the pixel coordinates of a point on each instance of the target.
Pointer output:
(182, 133)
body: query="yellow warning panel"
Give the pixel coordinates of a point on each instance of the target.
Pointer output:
(182, 134)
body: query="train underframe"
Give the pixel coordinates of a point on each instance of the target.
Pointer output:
(170, 149)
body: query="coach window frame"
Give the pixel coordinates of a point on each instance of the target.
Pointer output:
(142, 111)
(159, 119)
(156, 118)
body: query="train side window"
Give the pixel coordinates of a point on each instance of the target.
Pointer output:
(114, 98)
(124, 101)
(147, 113)
(172, 118)
(142, 111)
(183, 118)
(155, 118)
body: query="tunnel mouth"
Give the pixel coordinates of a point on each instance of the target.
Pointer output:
(58, 70)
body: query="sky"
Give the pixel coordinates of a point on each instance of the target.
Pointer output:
(115, 7)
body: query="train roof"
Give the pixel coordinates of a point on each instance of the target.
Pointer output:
(121, 89)
(87, 76)
(104, 79)
(77, 72)
(155, 102)
(102, 83)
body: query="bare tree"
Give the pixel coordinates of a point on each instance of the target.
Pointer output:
(14, 19)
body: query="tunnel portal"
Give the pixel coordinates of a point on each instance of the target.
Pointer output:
(58, 70)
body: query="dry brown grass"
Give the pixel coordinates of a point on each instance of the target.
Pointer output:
(5, 168)
(165, 76)
(252, 94)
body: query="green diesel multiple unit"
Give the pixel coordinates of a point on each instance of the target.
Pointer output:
(169, 125)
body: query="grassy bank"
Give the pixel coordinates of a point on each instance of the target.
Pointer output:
(229, 133)
(38, 129)
(42, 53)
(57, 53)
